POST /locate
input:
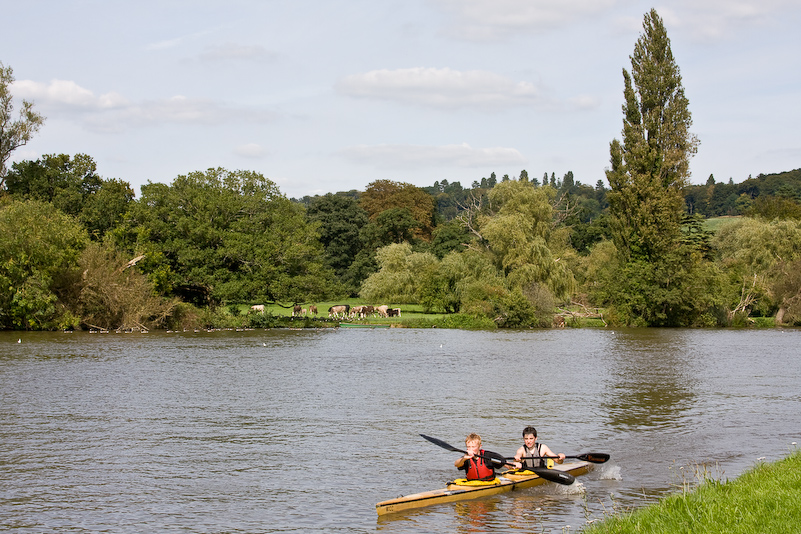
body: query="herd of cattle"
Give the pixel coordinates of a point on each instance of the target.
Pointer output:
(345, 310)
(342, 311)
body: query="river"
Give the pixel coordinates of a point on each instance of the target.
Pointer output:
(304, 431)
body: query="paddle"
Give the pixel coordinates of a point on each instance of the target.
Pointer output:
(593, 457)
(551, 475)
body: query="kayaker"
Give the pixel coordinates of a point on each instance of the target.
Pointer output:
(532, 448)
(479, 464)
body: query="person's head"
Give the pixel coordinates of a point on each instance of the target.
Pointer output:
(473, 443)
(529, 436)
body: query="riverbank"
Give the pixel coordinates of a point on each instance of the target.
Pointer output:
(766, 498)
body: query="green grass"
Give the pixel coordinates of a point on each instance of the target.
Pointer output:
(714, 223)
(765, 499)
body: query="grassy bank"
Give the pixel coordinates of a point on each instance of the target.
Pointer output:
(240, 315)
(765, 499)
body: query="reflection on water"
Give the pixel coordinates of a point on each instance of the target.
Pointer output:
(288, 431)
(652, 379)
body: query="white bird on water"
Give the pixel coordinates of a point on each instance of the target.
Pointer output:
(19, 340)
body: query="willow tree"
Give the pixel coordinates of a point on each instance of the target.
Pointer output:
(649, 170)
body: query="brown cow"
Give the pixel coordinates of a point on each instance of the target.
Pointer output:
(340, 309)
(296, 310)
(382, 310)
(313, 309)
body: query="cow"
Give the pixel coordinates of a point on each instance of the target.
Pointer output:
(313, 309)
(356, 311)
(382, 310)
(367, 310)
(257, 308)
(394, 312)
(296, 310)
(558, 321)
(340, 309)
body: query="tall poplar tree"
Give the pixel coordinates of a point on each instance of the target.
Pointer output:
(649, 170)
(652, 165)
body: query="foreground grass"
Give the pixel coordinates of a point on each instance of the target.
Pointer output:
(765, 499)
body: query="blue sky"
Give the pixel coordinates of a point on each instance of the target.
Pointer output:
(325, 96)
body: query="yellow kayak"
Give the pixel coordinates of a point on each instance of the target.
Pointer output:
(461, 491)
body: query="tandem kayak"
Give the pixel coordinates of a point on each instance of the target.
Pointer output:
(508, 481)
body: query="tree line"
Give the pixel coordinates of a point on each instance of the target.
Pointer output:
(82, 252)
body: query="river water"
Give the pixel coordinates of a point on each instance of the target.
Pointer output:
(304, 431)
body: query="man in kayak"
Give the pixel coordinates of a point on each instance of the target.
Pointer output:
(532, 448)
(478, 463)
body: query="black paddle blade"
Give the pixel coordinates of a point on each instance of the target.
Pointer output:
(594, 457)
(554, 475)
(441, 443)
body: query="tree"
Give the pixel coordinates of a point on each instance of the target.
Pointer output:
(761, 260)
(382, 195)
(40, 246)
(648, 172)
(651, 166)
(340, 220)
(73, 186)
(108, 293)
(516, 236)
(227, 236)
(400, 274)
(14, 134)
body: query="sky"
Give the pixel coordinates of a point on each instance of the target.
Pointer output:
(324, 96)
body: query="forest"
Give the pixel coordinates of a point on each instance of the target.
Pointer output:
(643, 247)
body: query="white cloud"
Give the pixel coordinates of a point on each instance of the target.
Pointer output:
(481, 20)
(67, 94)
(420, 157)
(715, 19)
(440, 88)
(250, 150)
(112, 112)
(495, 19)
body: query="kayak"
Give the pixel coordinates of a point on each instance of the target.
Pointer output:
(456, 491)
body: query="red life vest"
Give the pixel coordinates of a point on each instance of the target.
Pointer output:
(478, 468)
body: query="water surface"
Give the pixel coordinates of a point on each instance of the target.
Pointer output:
(297, 431)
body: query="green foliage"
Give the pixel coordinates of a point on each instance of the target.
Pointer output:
(660, 269)
(383, 195)
(768, 196)
(393, 225)
(451, 236)
(516, 237)
(227, 236)
(400, 276)
(651, 166)
(74, 187)
(110, 294)
(461, 321)
(340, 220)
(14, 133)
(40, 247)
(760, 260)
